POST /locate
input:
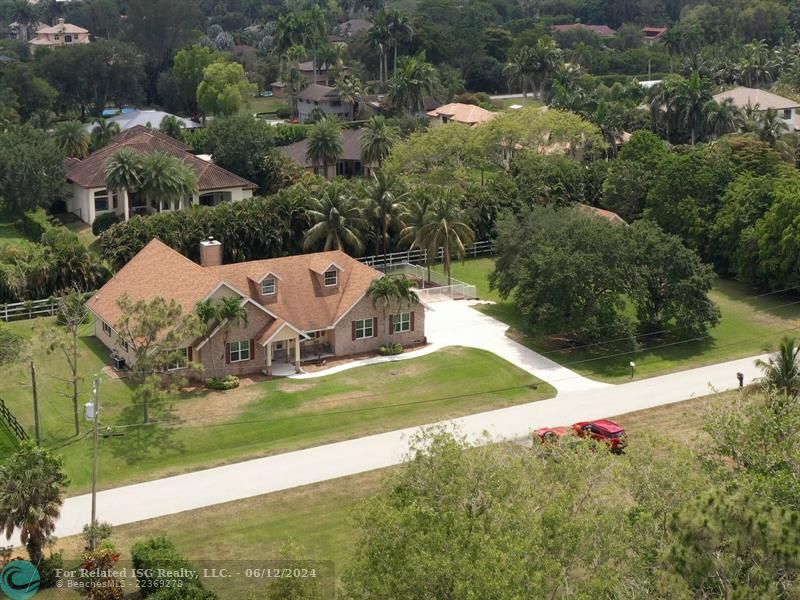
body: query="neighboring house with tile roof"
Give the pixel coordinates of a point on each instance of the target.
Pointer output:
(762, 100)
(90, 196)
(302, 307)
(602, 213)
(349, 163)
(468, 114)
(324, 99)
(60, 34)
(603, 31)
(653, 35)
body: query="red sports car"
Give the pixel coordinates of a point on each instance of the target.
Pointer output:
(603, 430)
(551, 434)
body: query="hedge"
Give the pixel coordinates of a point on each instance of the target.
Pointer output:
(158, 554)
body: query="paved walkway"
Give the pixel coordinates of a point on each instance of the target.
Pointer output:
(455, 323)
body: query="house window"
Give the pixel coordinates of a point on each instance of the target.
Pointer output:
(787, 113)
(268, 287)
(331, 278)
(101, 201)
(56, 37)
(114, 201)
(315, 335)
(67, 39)
(239, 351)
(181, 359)
(106, 328)
(124, 345)
(402, 322)
(364, 329)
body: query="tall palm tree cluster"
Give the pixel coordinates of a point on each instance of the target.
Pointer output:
(532, 67)
(383, 214)
(686, 106)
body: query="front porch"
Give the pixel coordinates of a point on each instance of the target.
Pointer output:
(287, 350)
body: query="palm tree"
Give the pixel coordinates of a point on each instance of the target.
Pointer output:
(166, 180)
(377, 140)
(32, 482)
(722, 117)
(72, 138)
(400, 29)
(415, 79)
(352, 91)
(385, 207)
(782, 370)
(692, 97)
(123, 172)
(770, 127)
(415, 215)
(387, 291)
(314, 31)
(103, 131)
(230, 312)
(379, 37)
(546, 58)
(519, 68)
(337, 222)
(24, 13)
(295, 83)
(172, 127)
(324, 143)
(447, 229)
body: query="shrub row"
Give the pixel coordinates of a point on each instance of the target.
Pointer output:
(164, 573)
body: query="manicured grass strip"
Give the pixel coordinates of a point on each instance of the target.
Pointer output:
(8, 442)
(751, 324)
(208, 429)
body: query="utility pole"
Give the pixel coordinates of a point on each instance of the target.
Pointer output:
(35, 405)
(93, 522)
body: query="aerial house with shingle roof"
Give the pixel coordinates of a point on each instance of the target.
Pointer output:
(302, 307)
(90, 196)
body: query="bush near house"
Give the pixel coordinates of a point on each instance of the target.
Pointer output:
(228, 382)
(103, 222)
(391, 349)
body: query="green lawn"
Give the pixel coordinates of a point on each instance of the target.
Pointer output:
(207, 429)
(264, 105)
(750, 325)
(8, 230)
(8, 442)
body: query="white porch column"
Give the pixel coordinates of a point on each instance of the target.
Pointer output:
(125, 204)
(269, 358)
(297, 354)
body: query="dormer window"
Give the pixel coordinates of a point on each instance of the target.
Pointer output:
(331, 278)
(268, 287)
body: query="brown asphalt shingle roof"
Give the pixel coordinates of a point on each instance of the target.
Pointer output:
(301, 298)
(90, 173)
(317, 92)
(351, 148)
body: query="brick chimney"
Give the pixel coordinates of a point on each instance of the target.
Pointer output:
(210, 253)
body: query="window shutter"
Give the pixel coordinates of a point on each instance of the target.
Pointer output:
(354, 331)
(252, 348)
(391, 324)
(227, 354)
(189, 353)
(374, 326)
(412, 320)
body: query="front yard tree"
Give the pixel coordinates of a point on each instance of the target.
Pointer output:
(782, 369)
(324, 144)
(32, 482)
(239, 143)
(155, 331)
(447, 229)
(63, 339)
(31, 170)
(224, 89)
(226, 313)
(389, 291)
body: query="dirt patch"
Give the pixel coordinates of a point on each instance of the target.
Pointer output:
(290, 387)
(217, 406)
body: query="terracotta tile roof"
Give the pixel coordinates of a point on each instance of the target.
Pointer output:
(468, 114)
(301, 299)
(90, 173)
(59, 28)
(157, 270)
(601, 30)
(761, 99)
(609, 216)
(351, 148)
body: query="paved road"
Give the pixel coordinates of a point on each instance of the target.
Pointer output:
(455, 323)
(284, 471)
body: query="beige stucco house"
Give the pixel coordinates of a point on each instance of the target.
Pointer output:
(60, 34)
(90, 196)
(303, 307)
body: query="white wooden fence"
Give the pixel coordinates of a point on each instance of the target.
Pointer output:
(28, 310)
(420, 256)
(433, 286)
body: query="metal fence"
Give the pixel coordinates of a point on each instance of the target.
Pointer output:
(431, 285)
(29, 309)
(420, 256)
(9, 419)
